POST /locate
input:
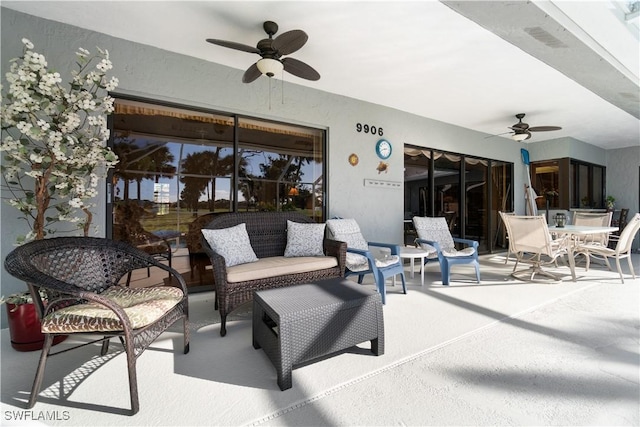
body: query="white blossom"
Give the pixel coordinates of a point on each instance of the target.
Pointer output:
(24, 127)
(75, 202)
(51, 78)
(43, 125)
(86, 104)
(104, 65)
(36, 158)
(8, 144)
(83, 53)
(112, 84)
(34, 174)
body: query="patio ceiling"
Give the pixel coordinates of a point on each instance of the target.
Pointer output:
(473, 64)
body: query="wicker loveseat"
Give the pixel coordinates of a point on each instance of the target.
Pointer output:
(267, 233)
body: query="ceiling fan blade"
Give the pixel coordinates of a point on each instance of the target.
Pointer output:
(300, 69)
(528, 134)
(251, 74)
(544, 128)
(289, 42)
(234, 45)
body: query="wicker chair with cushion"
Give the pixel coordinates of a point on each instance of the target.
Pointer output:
(81, 278)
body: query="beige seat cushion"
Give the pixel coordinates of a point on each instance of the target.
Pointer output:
(143, 306)
(278, 266)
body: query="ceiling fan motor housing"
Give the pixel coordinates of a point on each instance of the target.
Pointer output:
(270, 28)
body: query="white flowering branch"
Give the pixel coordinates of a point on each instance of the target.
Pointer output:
(54, 139)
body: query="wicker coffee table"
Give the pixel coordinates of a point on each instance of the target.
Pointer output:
(299, 323)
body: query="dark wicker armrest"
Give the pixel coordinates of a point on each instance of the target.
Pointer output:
(144, 260)
(219, 267)
(337, 249)
(179, 282)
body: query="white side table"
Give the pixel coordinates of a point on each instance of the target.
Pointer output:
(411, 253)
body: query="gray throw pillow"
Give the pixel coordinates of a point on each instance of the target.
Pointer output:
(232, 243)
(304, 239)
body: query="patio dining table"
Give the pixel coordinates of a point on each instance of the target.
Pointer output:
(578, 230)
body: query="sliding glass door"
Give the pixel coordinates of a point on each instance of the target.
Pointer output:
(467, 191)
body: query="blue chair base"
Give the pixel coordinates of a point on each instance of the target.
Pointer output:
(445, 268)
(447, 262)
(381, 278)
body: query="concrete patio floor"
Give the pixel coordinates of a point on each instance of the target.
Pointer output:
(504, 352)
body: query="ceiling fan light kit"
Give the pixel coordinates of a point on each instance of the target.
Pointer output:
(520, 136)
(269, 67)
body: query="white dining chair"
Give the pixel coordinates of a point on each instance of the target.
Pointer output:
(531, 243)
(592, 219)
(622, 249)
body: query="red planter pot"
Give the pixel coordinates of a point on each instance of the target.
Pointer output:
(24, 328)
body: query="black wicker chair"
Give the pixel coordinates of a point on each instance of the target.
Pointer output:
(80, 277)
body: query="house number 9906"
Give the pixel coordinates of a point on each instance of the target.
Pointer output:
(369, 129)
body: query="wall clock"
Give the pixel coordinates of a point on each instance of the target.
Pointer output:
(383, 149)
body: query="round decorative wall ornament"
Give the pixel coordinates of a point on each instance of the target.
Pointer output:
(353, 159)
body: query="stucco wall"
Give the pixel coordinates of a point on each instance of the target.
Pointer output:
(623, 179)
(153, 73)
(567, 147)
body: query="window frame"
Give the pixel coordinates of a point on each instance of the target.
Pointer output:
(236, 119)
